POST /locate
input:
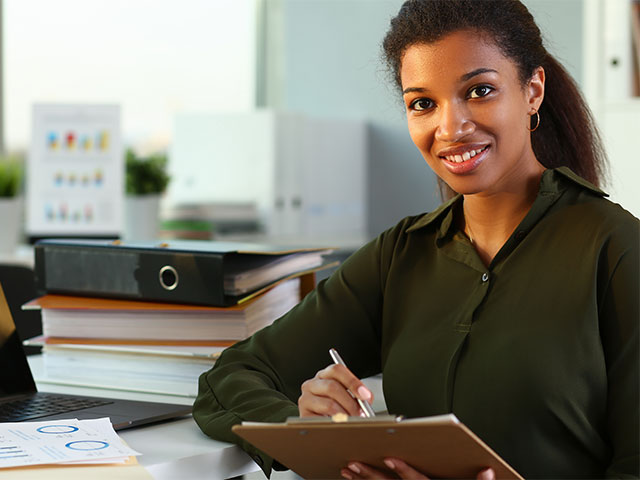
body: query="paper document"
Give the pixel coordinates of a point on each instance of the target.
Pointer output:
(61, 441)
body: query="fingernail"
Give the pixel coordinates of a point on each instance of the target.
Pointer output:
(346, 475)
(354, 468)
(390, 464)
(362, 414)
(487, 474)
(364, 393)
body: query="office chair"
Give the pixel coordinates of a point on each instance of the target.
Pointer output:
(18, 283)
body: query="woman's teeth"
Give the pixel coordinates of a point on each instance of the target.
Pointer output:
(465, 156)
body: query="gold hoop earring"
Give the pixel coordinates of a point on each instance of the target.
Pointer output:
(537, 123)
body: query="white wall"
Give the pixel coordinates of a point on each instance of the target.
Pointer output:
(328, 53)
(608, 67)
(153, 57)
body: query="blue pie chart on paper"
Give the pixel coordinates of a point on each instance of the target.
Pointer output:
(57, 429)
(87, 445)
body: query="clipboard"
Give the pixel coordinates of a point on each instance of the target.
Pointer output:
(439, 446)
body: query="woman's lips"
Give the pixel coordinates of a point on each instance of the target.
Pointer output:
(467, 162)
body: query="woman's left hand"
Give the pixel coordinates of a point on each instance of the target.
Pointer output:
(401, 469)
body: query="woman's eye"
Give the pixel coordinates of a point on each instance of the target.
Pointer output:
(421, 104)
(480, 91)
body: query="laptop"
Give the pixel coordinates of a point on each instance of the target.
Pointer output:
(21, 401)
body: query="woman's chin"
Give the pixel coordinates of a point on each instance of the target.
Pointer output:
(464, 186)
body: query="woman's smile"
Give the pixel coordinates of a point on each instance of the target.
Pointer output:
(465, 158)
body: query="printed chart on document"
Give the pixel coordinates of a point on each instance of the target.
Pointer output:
(61, 441)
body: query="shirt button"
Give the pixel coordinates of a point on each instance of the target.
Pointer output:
(519, 235)
(485, 277)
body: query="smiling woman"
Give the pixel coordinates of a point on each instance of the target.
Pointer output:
(513, 305)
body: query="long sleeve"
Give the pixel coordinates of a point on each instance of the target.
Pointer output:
(619, 320)
(259, 379)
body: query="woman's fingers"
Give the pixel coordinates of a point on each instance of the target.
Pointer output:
(324, 397)
(403, 470)
(348, 380)
(486, 474)
(361, 470)
(328, 393)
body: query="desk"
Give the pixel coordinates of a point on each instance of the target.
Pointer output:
(175, 449)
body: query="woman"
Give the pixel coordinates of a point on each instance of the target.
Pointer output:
(513, 305)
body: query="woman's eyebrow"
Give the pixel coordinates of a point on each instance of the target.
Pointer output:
(475, 72)
(413, 89)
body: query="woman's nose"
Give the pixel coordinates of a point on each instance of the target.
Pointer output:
(454, 123)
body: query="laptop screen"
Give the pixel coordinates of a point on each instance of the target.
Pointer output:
(15, 375)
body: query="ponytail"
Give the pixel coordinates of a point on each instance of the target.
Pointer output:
(567, 135)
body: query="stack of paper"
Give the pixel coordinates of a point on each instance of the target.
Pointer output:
(96, 318)
(201, 220)
(146, 346)
(250, 272)
(109, 302)
(162, 369)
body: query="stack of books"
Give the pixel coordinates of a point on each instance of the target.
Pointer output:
(204, 221)
(100, 334)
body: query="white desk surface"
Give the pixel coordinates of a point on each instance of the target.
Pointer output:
(173, 449)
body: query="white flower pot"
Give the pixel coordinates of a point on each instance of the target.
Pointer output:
(10, 223)
(141, 217)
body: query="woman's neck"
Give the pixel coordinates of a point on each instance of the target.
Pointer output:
(491, 218)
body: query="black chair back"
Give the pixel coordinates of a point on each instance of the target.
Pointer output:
(18, 283)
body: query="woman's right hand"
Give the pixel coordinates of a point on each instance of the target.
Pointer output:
(328, 393)
(400, 469)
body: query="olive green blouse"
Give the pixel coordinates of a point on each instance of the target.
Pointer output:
(537, 354)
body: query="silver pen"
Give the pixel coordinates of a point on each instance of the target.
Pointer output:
(366, 408)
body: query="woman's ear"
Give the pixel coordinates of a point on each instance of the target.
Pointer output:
(535, 89)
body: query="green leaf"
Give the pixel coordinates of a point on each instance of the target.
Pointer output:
(11, 168)
(146, 175)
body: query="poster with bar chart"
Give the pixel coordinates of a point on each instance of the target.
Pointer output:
(75, 169)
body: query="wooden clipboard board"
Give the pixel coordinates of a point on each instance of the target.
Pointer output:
(440, 446)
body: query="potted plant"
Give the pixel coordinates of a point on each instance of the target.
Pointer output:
(146, 180)
(11, 168)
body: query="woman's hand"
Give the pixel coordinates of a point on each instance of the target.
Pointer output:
(332, 391)
(401, 470)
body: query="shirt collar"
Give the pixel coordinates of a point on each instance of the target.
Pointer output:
(444, 212)
(550, 183)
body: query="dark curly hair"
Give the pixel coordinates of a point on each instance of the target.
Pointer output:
(567, 135)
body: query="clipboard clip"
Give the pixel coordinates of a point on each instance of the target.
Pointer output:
(342, 418)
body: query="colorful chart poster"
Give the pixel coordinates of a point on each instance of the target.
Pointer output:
(75, 171)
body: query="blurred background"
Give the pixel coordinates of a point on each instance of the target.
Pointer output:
(268, 120)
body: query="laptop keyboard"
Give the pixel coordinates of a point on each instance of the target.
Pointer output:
(44, 404)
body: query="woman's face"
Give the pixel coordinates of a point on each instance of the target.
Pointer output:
(468, 112)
